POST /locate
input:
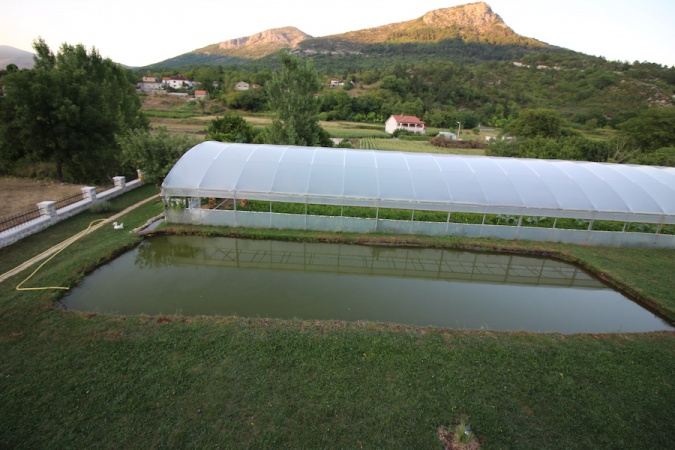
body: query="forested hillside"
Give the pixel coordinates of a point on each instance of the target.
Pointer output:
(460, 64)
(454, 68)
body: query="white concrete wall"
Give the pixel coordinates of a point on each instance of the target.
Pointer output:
(51, 215)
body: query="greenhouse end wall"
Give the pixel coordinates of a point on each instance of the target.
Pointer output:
(249, 219)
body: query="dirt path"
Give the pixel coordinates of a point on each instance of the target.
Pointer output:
(47, 253)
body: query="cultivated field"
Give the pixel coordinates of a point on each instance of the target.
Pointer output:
(400, 145)
(179, 116)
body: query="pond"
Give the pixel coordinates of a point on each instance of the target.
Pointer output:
(189, 275)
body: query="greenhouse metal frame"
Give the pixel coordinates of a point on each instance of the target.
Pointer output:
(421, 182)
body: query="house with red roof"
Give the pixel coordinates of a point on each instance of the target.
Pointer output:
(408, 123)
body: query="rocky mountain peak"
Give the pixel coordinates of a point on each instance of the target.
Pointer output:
(477, 17)
(283, 37)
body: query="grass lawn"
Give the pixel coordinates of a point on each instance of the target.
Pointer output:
(79, 380)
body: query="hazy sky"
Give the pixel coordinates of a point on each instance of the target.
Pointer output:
(139, 33)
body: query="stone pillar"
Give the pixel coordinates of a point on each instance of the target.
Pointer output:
(139, 172)
(120, 182)
(47, 209)
(89, 193)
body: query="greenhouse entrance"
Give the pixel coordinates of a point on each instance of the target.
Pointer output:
(185, 275)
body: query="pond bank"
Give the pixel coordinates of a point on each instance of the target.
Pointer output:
(614, 266)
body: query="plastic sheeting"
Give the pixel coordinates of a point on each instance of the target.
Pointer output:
(423, 181)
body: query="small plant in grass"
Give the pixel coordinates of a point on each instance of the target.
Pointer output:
(459, 436)
(101, 207)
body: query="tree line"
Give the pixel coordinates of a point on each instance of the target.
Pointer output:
(543, 133)
(589, 92)
(79, 113)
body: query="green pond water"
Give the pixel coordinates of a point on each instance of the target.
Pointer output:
(189, 275)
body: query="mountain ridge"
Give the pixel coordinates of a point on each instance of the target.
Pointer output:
(473, 22)
(12, 55)
(257, 45)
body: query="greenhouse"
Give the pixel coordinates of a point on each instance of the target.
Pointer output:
(364, 191)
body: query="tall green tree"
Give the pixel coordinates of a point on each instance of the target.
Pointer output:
(231, 127)
(539, 122)
(653, 129)
(67, 111)
(292, 94)
(154, 153)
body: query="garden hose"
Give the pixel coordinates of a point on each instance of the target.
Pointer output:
(71, 239)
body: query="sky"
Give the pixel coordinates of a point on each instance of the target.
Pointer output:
(138, 33)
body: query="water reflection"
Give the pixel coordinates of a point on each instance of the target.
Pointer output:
(363, 260)
(455, 289)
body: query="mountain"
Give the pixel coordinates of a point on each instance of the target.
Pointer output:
(442, 32)
(474, 22)
(257, 45)
(11, 55)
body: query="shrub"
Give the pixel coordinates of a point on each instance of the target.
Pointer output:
(442, 141)
(154, 153)
(101, 207)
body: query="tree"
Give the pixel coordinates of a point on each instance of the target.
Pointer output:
(652, 129)
(662, 157)
(153, 153)
(539, 122)
(67, 111)
(292, 97)
(230, 128)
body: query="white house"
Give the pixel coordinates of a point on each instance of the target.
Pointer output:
(336, 82)
(408, 123)
(241, 86)
(178, 81)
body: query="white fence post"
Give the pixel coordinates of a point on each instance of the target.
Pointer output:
(120, 182)
(47, 209)
(89, 193)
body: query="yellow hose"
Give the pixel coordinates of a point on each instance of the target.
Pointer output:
(72, 239)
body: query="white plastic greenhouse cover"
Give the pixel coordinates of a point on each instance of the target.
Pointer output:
(424, 181)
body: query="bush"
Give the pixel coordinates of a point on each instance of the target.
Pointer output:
(661, 157)
(154, 154)
(101, 207)
(399, 132)
(231, 127)
(345, 143)
(442, 141)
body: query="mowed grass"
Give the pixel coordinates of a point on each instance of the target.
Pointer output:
(77, 380)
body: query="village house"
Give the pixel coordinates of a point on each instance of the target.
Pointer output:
(149, 84)
(178, 82)
(241, 86)
(408, 123)
(201, 94)
(336, 82)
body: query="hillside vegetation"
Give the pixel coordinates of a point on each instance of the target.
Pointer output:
(460, 64)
